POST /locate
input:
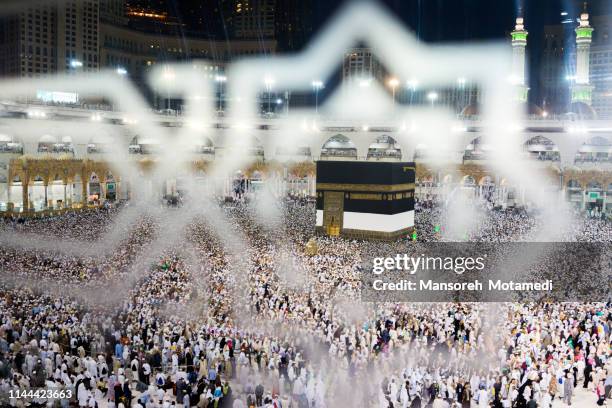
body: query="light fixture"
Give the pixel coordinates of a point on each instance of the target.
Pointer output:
(269, 81)
(432, 96)
(168, 74)
(412, 84)
(317, 84)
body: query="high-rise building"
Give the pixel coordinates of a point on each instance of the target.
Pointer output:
(555, 70)
(48, 38)
(206, 18)
(601, 66)
(78, 30)
(294, 22)
(153, 17)
(113, 11)
(361, 64)
(253, 19)
(28, 42)
(88, 35)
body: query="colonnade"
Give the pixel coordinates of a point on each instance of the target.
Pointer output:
(65, 183)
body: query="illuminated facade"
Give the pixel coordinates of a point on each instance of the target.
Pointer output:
(601, 66)
(253, 19)
(51, 38)
(361, 64)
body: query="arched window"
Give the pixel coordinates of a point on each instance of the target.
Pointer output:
(384, 147)
(593, 185)
(541, 148)
(339, 145)
(468, 181)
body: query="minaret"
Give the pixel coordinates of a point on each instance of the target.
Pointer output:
(582, 89)
(519, 43)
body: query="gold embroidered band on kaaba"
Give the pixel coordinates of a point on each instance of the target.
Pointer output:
(379, 196)
(378, 188)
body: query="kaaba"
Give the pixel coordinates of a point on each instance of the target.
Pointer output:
(365, 200)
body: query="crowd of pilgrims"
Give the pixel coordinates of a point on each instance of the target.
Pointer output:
(288, 330)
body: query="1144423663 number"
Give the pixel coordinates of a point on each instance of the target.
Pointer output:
(40, 394)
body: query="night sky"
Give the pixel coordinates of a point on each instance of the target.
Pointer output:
(474, 20)
(431, 20)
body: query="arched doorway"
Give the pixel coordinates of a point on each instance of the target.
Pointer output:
(468, 186)
(37, 192)
(574, 192)
(595, 150)
(64, 145)
(486, 188)
(468, 181)
(15, 194)
(256, 148)
(46, 144)
(384, 147)
(205, 146)
(95, 189)
(594, 197)
(4, 188)
(147, 145)
(541, 148)
(57, 192)
(339, 147)
(76, 194)
(476, 150)
(8, 144)
(100, 144)
(144, 145)
(111, 187)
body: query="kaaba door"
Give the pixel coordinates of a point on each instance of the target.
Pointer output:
(333, 209)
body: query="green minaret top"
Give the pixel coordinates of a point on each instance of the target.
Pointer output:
(584, 31)
(519, 35)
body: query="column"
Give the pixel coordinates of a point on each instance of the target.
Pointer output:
(25, 202)
(102, 191)
(85, 182)
(46, 187)
(65, 202)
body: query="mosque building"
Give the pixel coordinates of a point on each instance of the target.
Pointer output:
(56, 173)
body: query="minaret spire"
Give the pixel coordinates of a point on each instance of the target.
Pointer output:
(519, 44)
(582, 89)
